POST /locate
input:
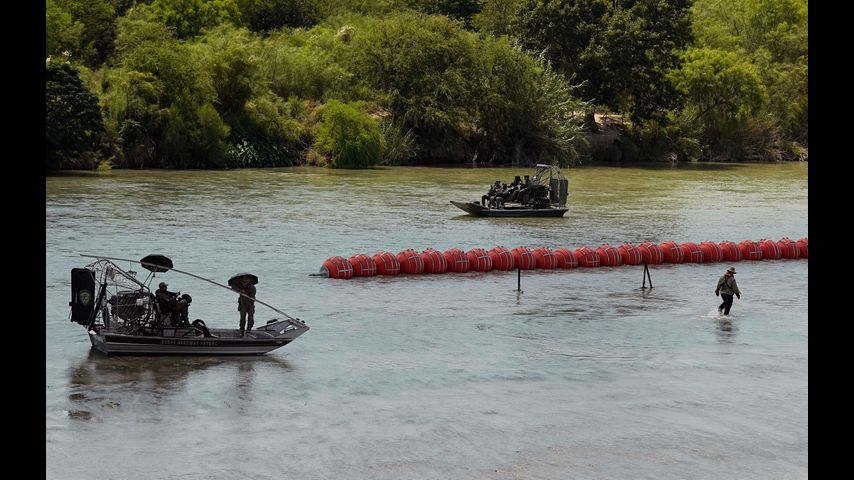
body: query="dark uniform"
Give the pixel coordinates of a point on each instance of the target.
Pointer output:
(246, 307)
(170, 303)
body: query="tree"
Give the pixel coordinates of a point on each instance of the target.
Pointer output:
(266, 15)
(189, 17)
(621, 49)
(73, 122)
(349, 136)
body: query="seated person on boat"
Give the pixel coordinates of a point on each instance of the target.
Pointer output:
(171, 303)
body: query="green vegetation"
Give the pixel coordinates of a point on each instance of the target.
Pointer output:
(357, 83)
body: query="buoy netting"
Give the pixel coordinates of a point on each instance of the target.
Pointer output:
(803, 245)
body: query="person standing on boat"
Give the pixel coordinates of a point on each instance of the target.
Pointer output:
(170, 303)
(246, 305)
(726, 289)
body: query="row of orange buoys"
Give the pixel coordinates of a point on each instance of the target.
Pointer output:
(454, 260)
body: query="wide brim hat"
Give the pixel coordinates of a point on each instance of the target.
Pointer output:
(731, 269)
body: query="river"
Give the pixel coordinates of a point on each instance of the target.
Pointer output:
(458, 376)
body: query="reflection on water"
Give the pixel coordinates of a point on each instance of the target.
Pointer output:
(99, 383)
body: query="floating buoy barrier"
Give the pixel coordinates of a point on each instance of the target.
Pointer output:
(673, 253)
(651, 253)
(770, 249)
(692, 252)
(387, 263)
(803, 245)
(523, 258)
(337, 267)
(609, 256)
(630, 254)
(455, 260)
(544, 258)
(434, 262)
(565, 258)
(750, 250)
(479, 260)
(363, 265)
(587, 257)
(712, 252)
(502, 259)
(788, 248)
(731, 251)
(410, 261)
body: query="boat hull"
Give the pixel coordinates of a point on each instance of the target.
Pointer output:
(475, 208)
(224, 342)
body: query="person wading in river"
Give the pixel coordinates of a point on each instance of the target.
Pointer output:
(725, 289)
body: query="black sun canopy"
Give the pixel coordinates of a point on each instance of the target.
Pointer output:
(236, 280)
(156, 263)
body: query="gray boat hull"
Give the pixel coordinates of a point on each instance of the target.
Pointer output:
(183, 341)
(475, 208)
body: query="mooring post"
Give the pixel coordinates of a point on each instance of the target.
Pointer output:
(646, 275)
(518, 279)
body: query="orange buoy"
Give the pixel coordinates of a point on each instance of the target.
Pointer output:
(789, 248)
(731, 251)
(587, 257)
(544, 258)
(770, 249)
(410, 261)
(457, 260)
(502, 259)
(337, 267)
(565, 258)
(693, 254)
(387, 263)
(609, 256)
(630, 254)
(363, 265)
(434, 261)
(750, 250)
(479, 260)
(803, 245)
(523, 258)
(673, 253)
(712, 252)
(651, 253)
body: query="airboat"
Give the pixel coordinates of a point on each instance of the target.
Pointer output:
(543, 194)
(123, 316)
